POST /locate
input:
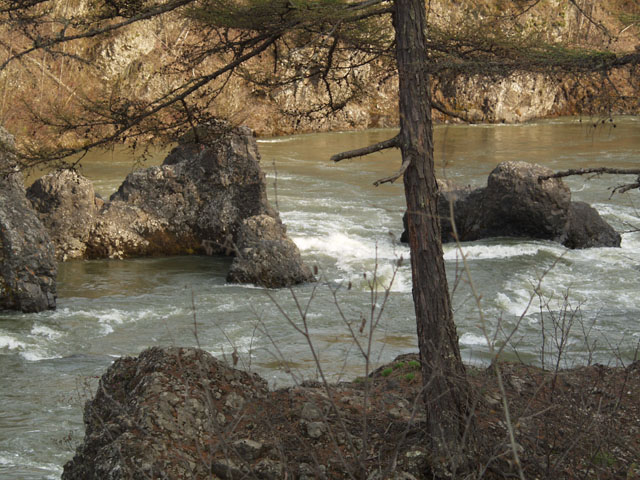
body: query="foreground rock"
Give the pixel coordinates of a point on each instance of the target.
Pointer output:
(179, 413)
(515, 203)
(196, 202)
(27, 264)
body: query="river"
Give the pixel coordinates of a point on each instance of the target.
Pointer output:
(349, 229)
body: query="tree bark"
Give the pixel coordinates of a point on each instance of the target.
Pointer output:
(446, 390)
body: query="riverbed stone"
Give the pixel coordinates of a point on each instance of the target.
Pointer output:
(67, 205)
(209, 188)
(27, 259)
(266, 256)
(516, 203)
(586, 228)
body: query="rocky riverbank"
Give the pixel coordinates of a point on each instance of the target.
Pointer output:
(180, 413)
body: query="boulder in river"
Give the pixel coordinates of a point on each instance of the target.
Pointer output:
(27, 264)
(201, 194)
(196, 202)
(586, 228)
(67, 205)
(515, 203)
(266, 256)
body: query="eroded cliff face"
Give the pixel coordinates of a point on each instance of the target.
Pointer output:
(132, 61)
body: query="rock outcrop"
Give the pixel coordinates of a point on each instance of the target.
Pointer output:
(515, 203)
(27, 264)
(196, 202)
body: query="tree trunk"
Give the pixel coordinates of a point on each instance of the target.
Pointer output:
(446, 389)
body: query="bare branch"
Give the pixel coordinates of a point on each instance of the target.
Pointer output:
(395, 176)
(175, 97)
(57, 40)
(625, 187)
(361, 152)
(586, 171)
(591, 20)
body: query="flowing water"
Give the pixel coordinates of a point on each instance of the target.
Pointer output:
(50, 362)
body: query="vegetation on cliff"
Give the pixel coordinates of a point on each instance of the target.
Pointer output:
(132, 61)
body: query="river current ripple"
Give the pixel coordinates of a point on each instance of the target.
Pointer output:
(50, 362)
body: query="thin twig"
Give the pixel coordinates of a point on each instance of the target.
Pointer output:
(395, 176)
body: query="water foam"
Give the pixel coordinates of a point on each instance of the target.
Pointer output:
(43, 331)
(517, 302)
(275, 140)
(484, 252)
(28, 351)
(470, 339)
(11, 343)
(354, 255)
(36, 354)
(350, 248)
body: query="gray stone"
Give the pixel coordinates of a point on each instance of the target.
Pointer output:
(265, 255)
(311, 411)
(315, 429)
(586, 228)
(515, 203)
(309, 472)
(27, 258)
(248, 449)
(67, 206)
(268, 469)
(234, 401)
(227, 470)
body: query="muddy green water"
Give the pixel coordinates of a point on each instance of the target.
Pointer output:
(49, 362)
